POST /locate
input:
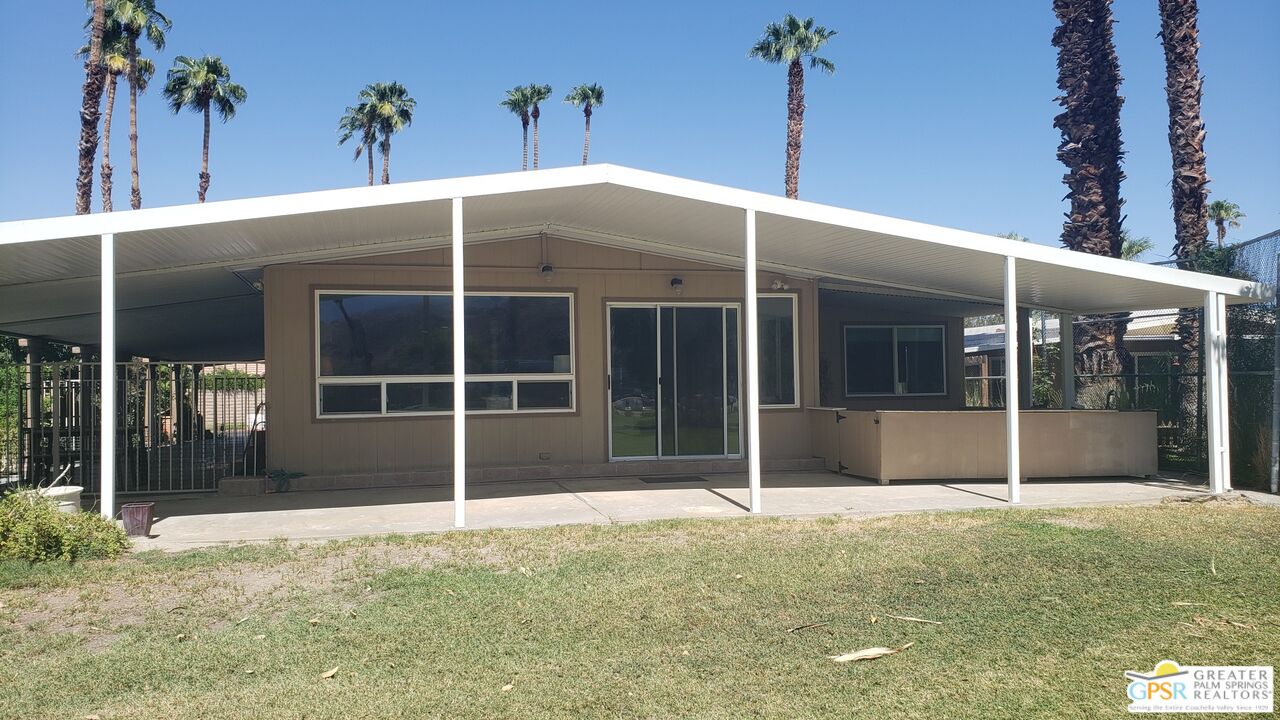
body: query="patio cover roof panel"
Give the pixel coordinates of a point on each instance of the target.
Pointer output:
(597, 203)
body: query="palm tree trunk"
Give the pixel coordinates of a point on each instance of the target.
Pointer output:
(90, 110)
(1180, 38)
(204, 160)
(1222, 231)
(1089, 77)
(113, 82)
(586, 135)
(535, 115)
(795, 125)
(135, 193)
(524, 158)
(369, 148)
(386, 161)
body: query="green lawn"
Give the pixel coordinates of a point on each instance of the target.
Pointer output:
(1041, 612)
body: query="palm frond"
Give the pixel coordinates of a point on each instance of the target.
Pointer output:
(203, 83)
(793, 39)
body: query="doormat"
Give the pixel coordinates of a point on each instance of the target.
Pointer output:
(673, 479)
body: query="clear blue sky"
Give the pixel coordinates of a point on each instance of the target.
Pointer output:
(940, 111)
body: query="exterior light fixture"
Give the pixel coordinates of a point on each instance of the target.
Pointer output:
(677, 285)
(546, 271)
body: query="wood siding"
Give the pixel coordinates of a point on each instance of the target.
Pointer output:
(597, 275)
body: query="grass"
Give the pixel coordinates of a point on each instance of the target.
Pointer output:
(1041, 612)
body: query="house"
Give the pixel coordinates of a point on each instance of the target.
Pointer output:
(608, 320)
(1150, 337)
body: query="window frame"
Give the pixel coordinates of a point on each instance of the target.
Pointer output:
(795, 349)
(382, 381)
(844, 359)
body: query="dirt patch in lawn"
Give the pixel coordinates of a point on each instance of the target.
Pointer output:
(219, 595)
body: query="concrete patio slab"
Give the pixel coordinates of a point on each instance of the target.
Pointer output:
(201, 520)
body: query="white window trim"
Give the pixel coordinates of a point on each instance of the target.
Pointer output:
(895, 394)
(795, 350)
(383, 380)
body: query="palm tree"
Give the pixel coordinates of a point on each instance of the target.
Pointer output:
(1224, 214)
(360, 119)
(1089, 77)
(1183, 86)
(1133, 248)
(90, 108)
(519, 100)
(202, 85)
(537, 93)
(791, 42)
(137, 18)
(392, 109)
(586, 97)
(115, 59)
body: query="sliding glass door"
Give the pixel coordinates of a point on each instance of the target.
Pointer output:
(673, 381)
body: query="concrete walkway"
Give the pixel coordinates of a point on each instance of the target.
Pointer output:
(201, 520)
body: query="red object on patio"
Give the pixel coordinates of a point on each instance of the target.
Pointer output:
(137, 518)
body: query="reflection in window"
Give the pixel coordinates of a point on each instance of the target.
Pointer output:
(402, 343)
(362, 335)
(904, 360)
(350, 399)
(777, 322)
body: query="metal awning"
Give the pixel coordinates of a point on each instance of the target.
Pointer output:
(184, 286)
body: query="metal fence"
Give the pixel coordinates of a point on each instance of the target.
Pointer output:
(180, 427)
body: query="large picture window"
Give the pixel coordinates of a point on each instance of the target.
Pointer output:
(895, 360)
(391, 353)
(777, 323)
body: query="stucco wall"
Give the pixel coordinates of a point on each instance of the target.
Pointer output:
(297, 440)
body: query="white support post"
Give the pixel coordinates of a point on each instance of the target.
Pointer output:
(107, 415)
(751, 358)
(459, 375)
(1067, 348)
(1011, 392)
(1215, 392)
(1224, 396)
(1275, 387)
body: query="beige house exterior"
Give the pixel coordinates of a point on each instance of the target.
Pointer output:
(594, 320)
(595, 276)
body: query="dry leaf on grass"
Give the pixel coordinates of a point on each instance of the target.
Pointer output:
(908, 618)
(526, 571)
(329, 673)
(1186, 604)
(181, 637)
(92, 717)
(507, 687)
(314, 621)
(259, 637)
(868, 653)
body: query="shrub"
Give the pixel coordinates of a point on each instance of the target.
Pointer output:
(32, 529)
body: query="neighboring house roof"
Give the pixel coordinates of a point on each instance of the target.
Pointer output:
(185, 256)
(1144, 325)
